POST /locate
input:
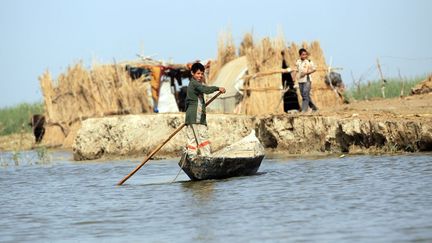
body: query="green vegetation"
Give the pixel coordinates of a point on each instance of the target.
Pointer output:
(39, 156)
(43, 155)
(15, 119)
(393, 87)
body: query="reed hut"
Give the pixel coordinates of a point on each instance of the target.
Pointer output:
(262, 89)
(79, 94)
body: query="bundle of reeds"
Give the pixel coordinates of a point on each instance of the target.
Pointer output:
(246, 44)
(79, 94)
(262, 94)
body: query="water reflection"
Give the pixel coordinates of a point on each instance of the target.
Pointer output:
(201, 191)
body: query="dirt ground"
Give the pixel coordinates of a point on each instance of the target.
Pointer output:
(415, 107)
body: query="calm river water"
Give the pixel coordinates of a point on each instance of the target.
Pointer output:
(355, 198)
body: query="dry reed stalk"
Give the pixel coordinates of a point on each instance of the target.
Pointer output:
(246, 44)
(226, 53)
(47, 92)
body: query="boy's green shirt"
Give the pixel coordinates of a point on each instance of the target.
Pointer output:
(195, 104)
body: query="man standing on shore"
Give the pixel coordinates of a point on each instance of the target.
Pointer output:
(196, 123)
(305, 68)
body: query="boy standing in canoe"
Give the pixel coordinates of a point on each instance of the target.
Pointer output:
(196, 123)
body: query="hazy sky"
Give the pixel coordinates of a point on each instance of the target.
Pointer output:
(52, 34)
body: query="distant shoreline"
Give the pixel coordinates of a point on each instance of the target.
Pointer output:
(408, 116)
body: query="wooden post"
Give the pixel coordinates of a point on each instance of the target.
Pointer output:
(403, 84)
(383, 81)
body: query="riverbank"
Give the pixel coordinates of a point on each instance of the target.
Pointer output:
(379, 126)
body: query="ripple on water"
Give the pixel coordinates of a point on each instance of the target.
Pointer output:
(354, 198)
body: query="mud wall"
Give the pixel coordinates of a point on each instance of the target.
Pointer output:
(293, 134)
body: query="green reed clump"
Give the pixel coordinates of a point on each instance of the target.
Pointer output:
(39, 156)
(16, 156)
(43, 155)
(15, 119)
(393, 88)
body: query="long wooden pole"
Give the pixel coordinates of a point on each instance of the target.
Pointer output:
(160, 146)
(284, 70)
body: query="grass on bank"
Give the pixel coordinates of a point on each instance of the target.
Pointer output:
(15, 119)
(393, 88)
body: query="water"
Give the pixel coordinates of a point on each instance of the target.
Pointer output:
(355, 198)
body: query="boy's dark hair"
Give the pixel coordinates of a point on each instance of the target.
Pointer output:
(197, 66)
(302, 50)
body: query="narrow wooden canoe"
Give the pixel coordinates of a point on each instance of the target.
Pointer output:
(239, 159)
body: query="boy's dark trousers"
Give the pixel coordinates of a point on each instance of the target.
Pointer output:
(307, 102)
